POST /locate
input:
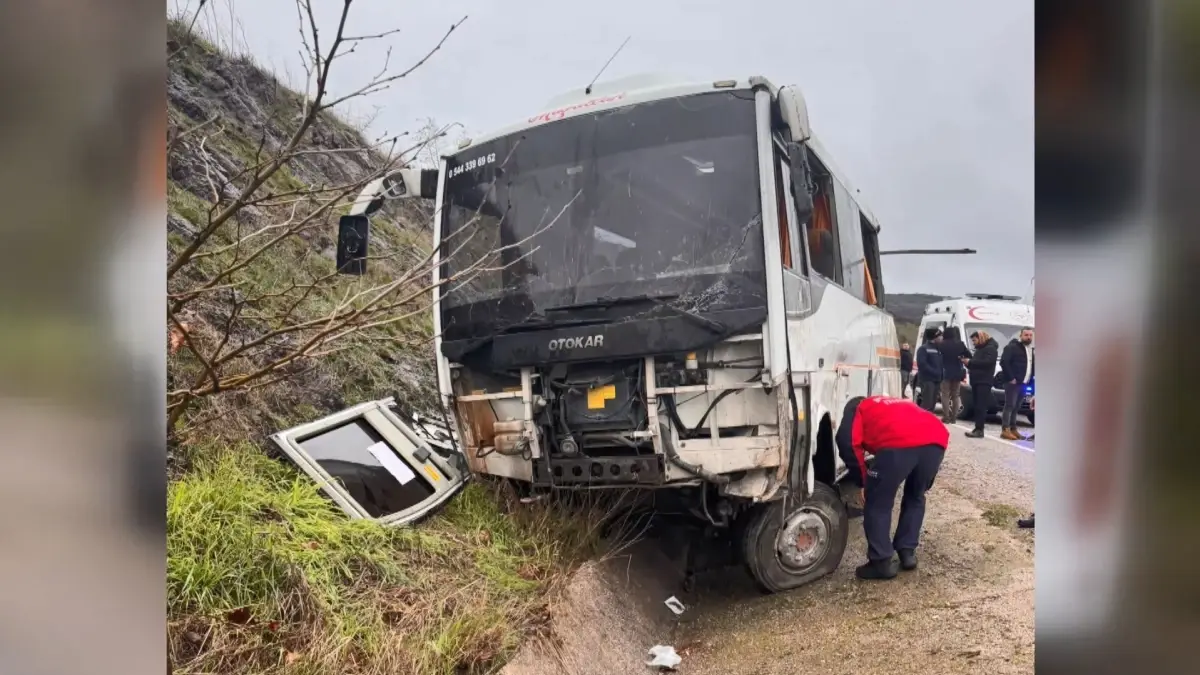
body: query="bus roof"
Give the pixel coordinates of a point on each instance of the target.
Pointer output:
(643, 88)
(607, 95)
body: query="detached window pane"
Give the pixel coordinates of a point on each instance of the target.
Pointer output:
(352, 454)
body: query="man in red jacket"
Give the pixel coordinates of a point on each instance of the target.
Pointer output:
(908, 444)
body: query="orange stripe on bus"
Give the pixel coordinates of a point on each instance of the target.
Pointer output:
(860, 366)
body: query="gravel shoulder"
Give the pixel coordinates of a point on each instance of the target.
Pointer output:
(967, 609)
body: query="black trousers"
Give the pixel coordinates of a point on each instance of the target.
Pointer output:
(915, 469)
(981, 398)
(929, 393)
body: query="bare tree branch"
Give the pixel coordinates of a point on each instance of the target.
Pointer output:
(209, 369)
(262, 302)
(181, 136)
(380, 83)
(322, 67)
(374, 36)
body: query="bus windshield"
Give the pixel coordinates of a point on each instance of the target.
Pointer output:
(658, 198)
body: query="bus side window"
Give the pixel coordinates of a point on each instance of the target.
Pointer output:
(872, 269)
(789, 230)
(822, 228)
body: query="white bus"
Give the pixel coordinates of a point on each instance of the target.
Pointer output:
(678, 291)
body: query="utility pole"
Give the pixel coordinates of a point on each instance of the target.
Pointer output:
(930, 251)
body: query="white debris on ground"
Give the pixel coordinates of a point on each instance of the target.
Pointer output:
(664, 658)
(675, 605)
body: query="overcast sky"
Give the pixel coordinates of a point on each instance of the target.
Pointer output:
(927, 107)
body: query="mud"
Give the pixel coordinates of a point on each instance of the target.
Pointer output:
(607, 617)
(968, 608)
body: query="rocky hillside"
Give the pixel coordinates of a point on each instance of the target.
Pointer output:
(230, 116)
(263, 573)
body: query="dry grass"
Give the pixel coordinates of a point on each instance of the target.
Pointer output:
(1002, 515)
(266, 576)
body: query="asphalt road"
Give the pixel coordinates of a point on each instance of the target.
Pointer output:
(967, 609)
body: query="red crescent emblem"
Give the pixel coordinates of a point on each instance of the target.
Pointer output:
(971, 313)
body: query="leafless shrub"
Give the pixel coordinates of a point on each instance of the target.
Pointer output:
(252, 298)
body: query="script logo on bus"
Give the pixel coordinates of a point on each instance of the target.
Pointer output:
(560, 113)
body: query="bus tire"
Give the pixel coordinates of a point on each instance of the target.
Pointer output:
(782, 553)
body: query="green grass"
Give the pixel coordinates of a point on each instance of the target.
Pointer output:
(186, 205)
(177, 29)
(264, 573)
(1002, 515)
(274, 578)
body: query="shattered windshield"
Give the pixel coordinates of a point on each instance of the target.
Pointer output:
(658, 198)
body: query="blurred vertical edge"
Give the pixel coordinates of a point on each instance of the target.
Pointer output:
(1117, 202)
(1164, 575)
(82, 336)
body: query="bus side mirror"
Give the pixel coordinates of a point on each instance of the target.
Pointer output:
(794, 111)
(801, 181)
(354, 227)
(353, 232)
(401, 184)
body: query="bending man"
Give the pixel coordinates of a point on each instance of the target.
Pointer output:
(908, 444)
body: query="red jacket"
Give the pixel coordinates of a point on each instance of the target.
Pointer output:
(885, 423)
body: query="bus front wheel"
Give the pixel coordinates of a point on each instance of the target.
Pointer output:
(785, 551)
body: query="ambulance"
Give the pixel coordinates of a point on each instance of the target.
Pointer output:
(1002, 317)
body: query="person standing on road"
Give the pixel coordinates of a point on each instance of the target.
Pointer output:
(908, 444)
(929, 368)
(1016, 370)
(906, 363)
(954, 358)
(982, 370)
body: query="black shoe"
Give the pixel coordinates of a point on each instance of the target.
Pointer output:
(1026, 523)
(975, 433)
(908, 559)
(877, 569)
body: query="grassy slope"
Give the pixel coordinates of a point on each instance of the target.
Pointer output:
(264, 574)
